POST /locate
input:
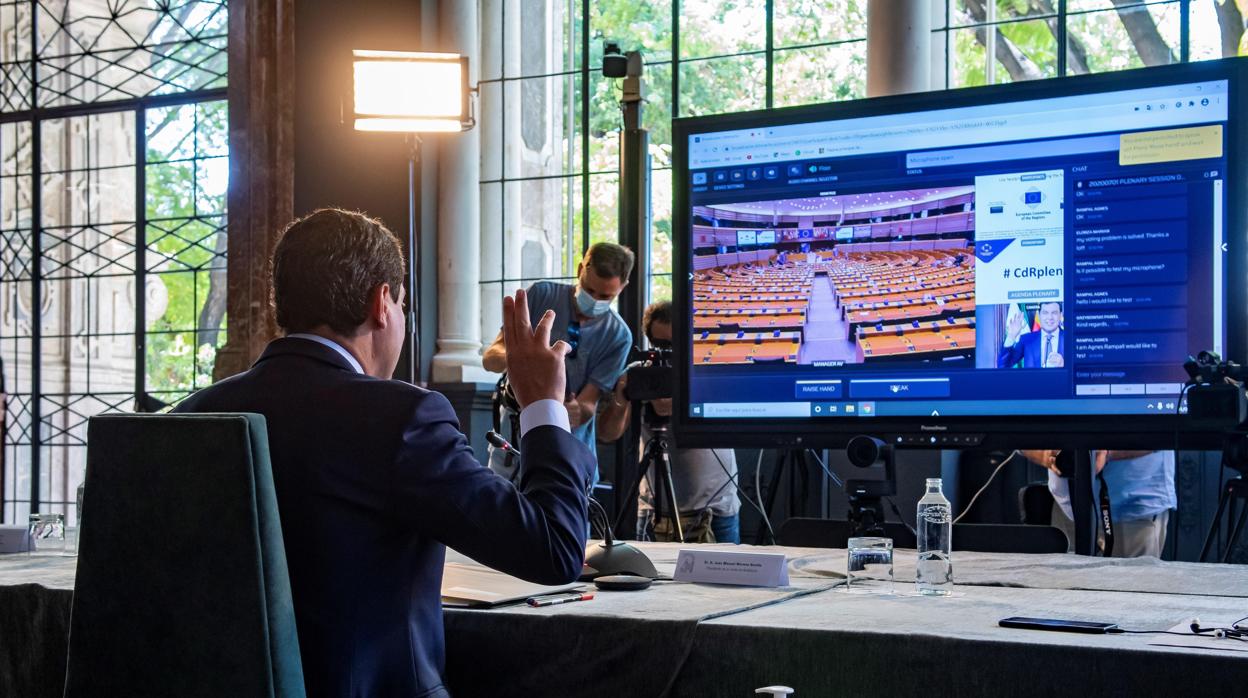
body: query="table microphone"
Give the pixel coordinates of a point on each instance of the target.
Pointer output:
(610, 557)
(614, 557)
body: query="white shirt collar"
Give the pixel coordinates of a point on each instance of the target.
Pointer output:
(332, 345)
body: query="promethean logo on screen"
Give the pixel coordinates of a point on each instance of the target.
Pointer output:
(1062, 255)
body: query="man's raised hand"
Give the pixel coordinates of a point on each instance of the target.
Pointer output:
(1048, 459)
(1013, 328)
(534, 367)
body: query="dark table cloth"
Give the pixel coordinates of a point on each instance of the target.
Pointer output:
(706, 640)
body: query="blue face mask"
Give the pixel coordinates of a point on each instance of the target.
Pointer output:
(589, 305)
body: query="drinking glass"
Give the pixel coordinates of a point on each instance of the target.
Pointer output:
(870, 565)
(47, 534)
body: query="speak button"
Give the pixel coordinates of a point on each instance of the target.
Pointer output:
(877, 388)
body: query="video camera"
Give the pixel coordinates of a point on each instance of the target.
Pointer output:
(1215, 394)
(1208, 367)
(651, 376)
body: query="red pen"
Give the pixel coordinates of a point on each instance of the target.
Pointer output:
(556, 599)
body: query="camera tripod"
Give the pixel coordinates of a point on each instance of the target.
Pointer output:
(1232, 499)
(657, 455)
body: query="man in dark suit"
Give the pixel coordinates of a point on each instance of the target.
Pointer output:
(373, 476)
(1042, 349)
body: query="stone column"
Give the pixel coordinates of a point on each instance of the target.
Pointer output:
(262, 154)
(458, 358)
(899, 46)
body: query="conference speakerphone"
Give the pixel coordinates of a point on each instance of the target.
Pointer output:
(1009, 261)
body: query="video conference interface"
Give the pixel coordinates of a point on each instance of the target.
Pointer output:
(1062, 254)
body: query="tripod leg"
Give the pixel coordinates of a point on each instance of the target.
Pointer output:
(633, 490)
(773, 486)
(1216, 523)
(1242, 506)
(798, 507)
(795, 461)
(663, 462)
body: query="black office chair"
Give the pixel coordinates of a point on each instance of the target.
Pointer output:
(980, 538)
(1035, 504)
(1008, 538)
(182, 587)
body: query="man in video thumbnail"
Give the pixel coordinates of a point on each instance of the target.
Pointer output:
(1041, 349)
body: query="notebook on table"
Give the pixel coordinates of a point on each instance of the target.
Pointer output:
(474, 586)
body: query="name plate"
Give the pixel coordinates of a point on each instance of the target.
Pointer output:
(14, 539)
(730, 567)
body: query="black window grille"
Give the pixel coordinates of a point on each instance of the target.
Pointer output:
(114, 152)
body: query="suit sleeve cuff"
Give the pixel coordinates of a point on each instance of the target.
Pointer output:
(544, 413)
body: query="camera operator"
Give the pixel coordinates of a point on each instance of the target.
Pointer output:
(598, 337)
(1141, 496)
(702, 478)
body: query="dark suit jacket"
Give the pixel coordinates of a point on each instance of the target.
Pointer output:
(1028, 349)
(373, 479)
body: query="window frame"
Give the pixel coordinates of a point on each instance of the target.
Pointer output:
(39, 434)
(579, 68)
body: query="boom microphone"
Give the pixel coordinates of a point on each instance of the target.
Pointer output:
(497, 441)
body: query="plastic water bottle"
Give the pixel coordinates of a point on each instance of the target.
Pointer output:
(935, 530)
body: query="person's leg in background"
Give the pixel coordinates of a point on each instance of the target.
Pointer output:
(1060, 521)
(645, 524)
(1142, 537)
(727, 529)
(1138, 538)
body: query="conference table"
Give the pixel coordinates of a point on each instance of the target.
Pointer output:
(814, 635)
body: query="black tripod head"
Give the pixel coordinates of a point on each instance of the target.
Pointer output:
(653, 421)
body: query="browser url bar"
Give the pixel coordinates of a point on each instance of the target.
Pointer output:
(1012, 151)
(920, 130)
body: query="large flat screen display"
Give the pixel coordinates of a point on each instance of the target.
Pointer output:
(993, 265)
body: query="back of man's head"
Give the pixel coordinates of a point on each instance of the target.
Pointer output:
(325, 266)
(610, 261)
(658, 312)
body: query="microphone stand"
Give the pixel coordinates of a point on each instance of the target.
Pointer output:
(609, 557)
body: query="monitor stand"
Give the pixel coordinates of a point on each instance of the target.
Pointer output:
(1078, 462)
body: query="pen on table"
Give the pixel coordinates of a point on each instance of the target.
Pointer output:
(555, 599)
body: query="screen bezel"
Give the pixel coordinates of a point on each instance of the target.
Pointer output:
(1157, 431)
